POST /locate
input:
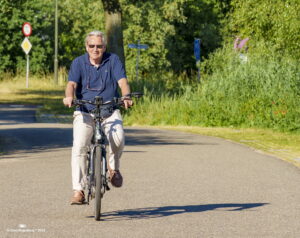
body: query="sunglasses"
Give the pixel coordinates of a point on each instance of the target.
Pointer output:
(98, 46)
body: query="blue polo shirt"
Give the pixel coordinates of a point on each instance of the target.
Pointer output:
(96, 81)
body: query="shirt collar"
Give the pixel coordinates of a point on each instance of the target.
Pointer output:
(105, 58)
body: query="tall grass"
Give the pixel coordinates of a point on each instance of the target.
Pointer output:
(262, 92)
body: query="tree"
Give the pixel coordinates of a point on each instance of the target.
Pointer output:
(275, 23)
(169, 28)
(113, 27)
(13, 14)
(76, 19)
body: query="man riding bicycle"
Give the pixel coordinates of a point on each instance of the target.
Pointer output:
(96, 73)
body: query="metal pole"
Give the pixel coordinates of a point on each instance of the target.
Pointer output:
(56, 46)
(137, 60)
(27, 71)
(199, 72)
(199, 61)
(137, 64)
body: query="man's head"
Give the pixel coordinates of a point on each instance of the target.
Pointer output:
(95, 44)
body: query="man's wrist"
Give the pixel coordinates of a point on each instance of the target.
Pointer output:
(127, 96)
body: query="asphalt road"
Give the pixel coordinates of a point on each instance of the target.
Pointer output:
(175, 185)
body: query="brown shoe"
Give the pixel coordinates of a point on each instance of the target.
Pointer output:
(116, 178)
(78, 198)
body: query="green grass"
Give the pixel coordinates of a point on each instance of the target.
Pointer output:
(41, 91)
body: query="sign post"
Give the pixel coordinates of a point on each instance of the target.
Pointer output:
(56, 45)
(26, 46)
(197, 54)
(138, 46)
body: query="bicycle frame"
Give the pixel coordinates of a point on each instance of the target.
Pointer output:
(99, 140)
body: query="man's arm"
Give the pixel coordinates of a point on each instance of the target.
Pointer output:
(125, 90)
(69, 92)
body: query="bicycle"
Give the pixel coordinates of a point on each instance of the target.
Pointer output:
(97, 180)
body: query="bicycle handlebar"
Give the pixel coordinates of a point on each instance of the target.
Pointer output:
(98, 100)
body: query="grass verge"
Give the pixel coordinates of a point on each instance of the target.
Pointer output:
(41, 91)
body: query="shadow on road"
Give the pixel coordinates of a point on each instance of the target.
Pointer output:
(153, 137)
(36, 139)
(15, 137)
(17, 114)
(156, 212)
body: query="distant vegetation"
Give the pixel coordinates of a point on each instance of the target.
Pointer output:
(263, 92)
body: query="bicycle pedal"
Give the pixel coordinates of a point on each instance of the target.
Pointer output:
(107, 188)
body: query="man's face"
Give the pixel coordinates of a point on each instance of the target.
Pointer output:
(95, 47)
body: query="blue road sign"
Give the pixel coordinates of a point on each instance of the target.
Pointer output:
(197, 54)
(197, 49)
(138, 46)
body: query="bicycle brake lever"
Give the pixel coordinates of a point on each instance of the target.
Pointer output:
(137, 94)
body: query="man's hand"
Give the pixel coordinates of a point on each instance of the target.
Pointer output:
(70, 89)
(125, 89)
(68, 101)
(127, 102)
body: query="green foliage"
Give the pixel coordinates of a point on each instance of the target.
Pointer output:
(264, 92)
(76, 18)
(13, 14)
(169, 28)
(274, 22)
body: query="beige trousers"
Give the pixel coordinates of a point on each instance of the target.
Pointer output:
(83, 125)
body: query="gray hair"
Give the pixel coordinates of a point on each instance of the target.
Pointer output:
(96, 33)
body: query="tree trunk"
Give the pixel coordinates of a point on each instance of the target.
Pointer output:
(113, 27)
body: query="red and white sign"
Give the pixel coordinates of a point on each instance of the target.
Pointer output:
(26, 29)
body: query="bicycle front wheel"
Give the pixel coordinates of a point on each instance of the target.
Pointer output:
(98, 182)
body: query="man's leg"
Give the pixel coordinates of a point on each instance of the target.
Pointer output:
(113, 128)
(82, 134)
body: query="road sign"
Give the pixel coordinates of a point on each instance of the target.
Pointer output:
(197, 49)
(197, 52)
(138, 46)
(26, 29)
(26, 45)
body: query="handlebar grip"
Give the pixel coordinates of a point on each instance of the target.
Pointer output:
(137, 94)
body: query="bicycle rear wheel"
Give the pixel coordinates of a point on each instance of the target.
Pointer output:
(98, 182)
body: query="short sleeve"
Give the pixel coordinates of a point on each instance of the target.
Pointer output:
(118, 68)
(74, 73)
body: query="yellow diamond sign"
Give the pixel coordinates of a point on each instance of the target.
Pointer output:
(26, 45)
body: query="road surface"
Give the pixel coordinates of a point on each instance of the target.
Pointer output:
(175, 185)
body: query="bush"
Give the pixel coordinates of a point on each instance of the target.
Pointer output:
(263, 92)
